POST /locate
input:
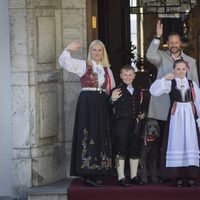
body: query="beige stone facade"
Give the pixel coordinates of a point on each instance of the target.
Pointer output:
(43, 96)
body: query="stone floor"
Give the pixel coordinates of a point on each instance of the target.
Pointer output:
(54, 191)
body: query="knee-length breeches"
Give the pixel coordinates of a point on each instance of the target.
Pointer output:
(127, 140)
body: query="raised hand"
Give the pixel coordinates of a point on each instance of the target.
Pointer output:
(141, 116)
(74, 45)
(170, 76)
(159, 29)
(116, 94)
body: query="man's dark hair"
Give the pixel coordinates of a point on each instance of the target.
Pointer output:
(174, 34)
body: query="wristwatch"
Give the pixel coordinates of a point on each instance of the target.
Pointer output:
(155, 37)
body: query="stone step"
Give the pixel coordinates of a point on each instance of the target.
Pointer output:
(54, 191)
(5, 198)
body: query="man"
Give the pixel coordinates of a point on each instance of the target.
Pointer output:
(164, 60)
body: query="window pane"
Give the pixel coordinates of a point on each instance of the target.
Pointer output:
(133, 19)
(133, 3)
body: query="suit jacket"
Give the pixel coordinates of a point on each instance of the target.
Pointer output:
(159, 106)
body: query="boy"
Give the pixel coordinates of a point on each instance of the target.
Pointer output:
(127, 102)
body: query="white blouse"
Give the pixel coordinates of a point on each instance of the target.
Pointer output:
(78, 67)
(98, 69)
(162, 86)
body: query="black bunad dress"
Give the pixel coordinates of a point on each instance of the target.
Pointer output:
(91, 147)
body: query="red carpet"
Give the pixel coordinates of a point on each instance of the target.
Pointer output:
(77, 191)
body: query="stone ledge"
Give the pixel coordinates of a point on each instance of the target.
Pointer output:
(57, 188)
(5, 198)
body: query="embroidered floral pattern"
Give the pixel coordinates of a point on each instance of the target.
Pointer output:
(103, 162)
(116, 161)
(91, 142)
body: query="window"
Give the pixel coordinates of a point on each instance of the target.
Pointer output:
(133, 25)
(136, 29)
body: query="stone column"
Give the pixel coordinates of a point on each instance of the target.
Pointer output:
(22, 113)
(5, 103)
(73, 27)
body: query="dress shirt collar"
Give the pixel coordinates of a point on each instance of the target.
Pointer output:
(182, 84)
(94, 63)
(181, 80)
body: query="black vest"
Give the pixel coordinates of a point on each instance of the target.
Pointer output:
(175, 94)
(128, 106)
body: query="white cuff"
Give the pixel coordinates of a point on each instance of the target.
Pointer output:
(113, 99)
(156, 41)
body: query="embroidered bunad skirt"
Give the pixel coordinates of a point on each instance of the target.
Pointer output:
(91, 149)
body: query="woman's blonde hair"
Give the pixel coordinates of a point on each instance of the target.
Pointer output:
(104, 61)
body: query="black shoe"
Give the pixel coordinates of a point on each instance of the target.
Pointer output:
(191, 183)
(98, 181)
(136, 181)
(179, 183)
(123, 182)
(92, 182)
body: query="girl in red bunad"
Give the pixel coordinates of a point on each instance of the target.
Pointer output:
(91, 148)
(180, 142)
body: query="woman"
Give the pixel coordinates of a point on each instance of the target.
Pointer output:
(91, 152)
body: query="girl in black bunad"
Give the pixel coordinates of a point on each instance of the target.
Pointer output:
(91, 148)
(181, 141)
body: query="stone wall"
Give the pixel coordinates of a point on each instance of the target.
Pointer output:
(44, 97)
(73, 27)
(5, 103)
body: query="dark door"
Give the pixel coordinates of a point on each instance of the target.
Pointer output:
(114, 31)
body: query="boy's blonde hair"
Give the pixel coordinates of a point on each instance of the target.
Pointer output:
(126, 68)
(104, 61)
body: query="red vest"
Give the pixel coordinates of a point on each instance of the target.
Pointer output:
(90, 79)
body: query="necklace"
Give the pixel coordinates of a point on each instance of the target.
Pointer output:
(182, 87)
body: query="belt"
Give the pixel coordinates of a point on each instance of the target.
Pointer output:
(93, 89)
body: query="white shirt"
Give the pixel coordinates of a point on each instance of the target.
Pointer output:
(99, 70)
(162, 86)
(78, 67)
(182, 85)
(130, 89)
